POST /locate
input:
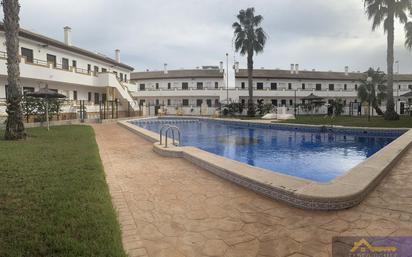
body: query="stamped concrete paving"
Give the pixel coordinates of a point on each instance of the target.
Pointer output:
(170, 207)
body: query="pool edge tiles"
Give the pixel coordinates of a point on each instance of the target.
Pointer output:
(343, 192)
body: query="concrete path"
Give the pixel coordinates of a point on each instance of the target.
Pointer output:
(169, 207)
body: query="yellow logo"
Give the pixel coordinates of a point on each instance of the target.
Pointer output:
(363, 245)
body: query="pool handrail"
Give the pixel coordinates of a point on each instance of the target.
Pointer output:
(161, 131)
(173, 129)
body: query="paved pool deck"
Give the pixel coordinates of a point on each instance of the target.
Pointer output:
(170, 207)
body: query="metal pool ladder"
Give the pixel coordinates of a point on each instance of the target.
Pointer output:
(172, 129)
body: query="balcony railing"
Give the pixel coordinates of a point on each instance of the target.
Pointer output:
(47, 64)
(82, 71)
(39, 62)
(245, 89)
(180, 89)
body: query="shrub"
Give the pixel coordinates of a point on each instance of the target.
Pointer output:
(36, 107)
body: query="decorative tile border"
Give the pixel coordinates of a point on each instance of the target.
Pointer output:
(341, 193)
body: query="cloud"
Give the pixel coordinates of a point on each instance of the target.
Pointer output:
(321, 34)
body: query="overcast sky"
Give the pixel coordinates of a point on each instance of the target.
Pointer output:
(320, 34)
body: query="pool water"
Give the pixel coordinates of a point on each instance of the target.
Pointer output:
(312, 155)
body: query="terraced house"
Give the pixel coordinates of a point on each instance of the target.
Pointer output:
(289, 88)
(186, 90)
(77, 73)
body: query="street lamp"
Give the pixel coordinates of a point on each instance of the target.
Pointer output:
(295, 103)
(397, 66)
(394, 82)
(227, 78)
(369, 80)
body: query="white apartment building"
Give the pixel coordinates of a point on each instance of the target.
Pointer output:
(181, 90)
(94, 78)
(77, 73)
(278, 87)
(285, 87)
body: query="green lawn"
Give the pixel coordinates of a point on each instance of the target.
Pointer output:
(404, 122)
(54, 200)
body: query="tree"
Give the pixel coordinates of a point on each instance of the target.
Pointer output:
(14, 123)
(337, 106)
(385, 11)
(373, 91)
(249, 38)
(36, 108)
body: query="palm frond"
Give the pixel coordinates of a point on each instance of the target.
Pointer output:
(241, 16)
(408, 35)
(379, 17)
(400, 13)
(376, 11)
(236, 25)
(250, 12)
(403, 6)
(257, 20)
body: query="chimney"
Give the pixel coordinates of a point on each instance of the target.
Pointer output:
(67, 35)
(165, 68)
(221, 67)
(296, 68)
(346, 70)
(117, 55)
(292, 68)
(236, 67)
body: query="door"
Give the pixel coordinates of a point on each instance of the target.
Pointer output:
(28, 54)
(402, 108)
(51, 59)
(96, 98)
(65, 63)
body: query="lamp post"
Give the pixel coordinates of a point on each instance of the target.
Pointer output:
(227, 78)
(369, 80)
(397, 73)
(397, 99)
(295, 103)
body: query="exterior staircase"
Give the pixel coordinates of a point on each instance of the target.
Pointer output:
(110, 80)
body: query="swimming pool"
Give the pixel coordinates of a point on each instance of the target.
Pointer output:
(306, 152)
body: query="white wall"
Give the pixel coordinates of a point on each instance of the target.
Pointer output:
(150, 84)
(311, 84)
(65, 89)
(40, 52)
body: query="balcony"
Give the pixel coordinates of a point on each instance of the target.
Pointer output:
(46, 71)
(178, 92)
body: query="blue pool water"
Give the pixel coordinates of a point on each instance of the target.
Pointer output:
(305, 153)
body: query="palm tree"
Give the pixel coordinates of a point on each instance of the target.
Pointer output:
(249, 38)
(385, 11)
(14, 123)
(373, 91)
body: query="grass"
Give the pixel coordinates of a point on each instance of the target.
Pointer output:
(54, 200)
(404, 122)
